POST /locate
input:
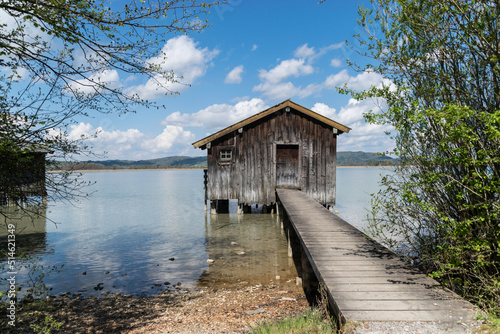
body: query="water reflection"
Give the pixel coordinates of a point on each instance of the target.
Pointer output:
(30, 229)
(247, 248)
(124, 236)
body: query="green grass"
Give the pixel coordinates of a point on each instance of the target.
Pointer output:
(308, 322)
(491, 324)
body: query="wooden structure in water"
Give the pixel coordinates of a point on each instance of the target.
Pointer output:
(285, 146)
(22, 174)
(364, 280)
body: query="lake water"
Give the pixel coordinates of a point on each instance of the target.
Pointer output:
(141, 232)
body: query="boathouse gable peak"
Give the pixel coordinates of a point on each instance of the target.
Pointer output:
(248, 122)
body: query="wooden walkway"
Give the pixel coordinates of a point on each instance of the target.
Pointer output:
(364, 280)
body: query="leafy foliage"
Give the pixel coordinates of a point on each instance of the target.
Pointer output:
(441, 207)
(61, 60)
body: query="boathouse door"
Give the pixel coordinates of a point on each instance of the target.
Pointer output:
(287, 166)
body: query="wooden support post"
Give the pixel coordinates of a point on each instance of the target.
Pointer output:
(205, 186)
(213, 207)
(281, 215)
(205, 182)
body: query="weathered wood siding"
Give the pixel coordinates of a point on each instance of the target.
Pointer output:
(250, 176)
(21, 175)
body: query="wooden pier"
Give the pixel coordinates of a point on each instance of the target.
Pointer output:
(364, 280)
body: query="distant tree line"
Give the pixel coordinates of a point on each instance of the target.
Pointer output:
(343, 159)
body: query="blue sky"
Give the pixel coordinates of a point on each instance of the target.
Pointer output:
(256, 54)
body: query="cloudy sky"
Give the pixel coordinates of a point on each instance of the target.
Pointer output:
(255, 55)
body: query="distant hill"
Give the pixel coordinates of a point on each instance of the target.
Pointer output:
(364, 159)
(343, 159)
(160, 163)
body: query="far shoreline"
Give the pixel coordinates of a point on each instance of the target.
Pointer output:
(164, 169)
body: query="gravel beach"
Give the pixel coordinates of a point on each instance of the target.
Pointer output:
(224, 310)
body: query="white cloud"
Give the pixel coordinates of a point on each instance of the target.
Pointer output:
(18, 74)
(363, 136)
(366, 80)
(285, 69)
(366, 137)
(108, 78)
(311, 54)
(272, 84)
(235, 75)
(254, 47)
(217, 116)
(171, 136)
(335, 62)
(182, 56)
(132, 144)
(324, 110)
(337, 79)
(362, 81)
(285, 90)
(304, 51)
(276, 84)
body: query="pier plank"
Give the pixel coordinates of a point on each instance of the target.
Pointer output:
(366, 281)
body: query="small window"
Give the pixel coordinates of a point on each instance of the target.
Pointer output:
(226, 155)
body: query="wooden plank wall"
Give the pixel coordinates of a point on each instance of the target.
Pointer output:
(250, 176)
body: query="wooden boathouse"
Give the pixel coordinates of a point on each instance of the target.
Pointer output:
(285, 146)
(22, 173)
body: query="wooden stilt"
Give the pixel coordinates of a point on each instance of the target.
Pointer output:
(213, 207)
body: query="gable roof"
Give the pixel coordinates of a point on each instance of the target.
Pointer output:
(256, 117)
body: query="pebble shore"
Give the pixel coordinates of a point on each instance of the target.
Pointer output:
(224, 310)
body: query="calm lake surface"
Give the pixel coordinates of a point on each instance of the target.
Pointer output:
(142, 232)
